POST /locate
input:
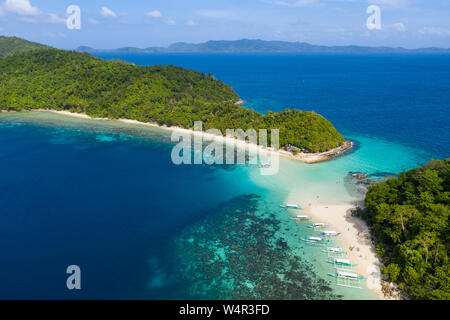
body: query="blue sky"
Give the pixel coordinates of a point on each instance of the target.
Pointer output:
(145, 23)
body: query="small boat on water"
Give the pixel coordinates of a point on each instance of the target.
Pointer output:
(330, 233)
(334, 250)
(265, 165)
(317, 225)
(291, 206)
(301, 217)
(346, 275)
(316, 240)
(341, 262)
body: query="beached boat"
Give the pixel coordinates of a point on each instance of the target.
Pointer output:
(346, 275)
(265, 165)
(347, 278)
(317, 225)
(330, 233)
(334, 250)
(341, 262)
(301, 217)
(316, 240)
(291, 206)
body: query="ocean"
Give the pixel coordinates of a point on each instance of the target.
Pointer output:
(105, 195)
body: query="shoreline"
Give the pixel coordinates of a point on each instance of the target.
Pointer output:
(309, 158)
(355, 239)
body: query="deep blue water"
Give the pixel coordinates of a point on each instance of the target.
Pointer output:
(107, 197)
(101, 200)
(404, 98)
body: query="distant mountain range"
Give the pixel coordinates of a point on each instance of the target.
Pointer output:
(261, 46)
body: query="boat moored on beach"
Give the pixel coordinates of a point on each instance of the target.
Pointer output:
(265, 165)
(317, 225)
(316, 240)
(291, 206)
(346, 278)
(301, 218)
(334, 250)
(333, 253)
(346, 275)
(330, 233)
(341, 262)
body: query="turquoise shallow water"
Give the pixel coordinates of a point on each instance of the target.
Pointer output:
(106, 196)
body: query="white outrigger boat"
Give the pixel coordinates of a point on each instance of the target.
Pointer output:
(330, 233)
(347, 278)
(346, 274)
(334, 250)
(301, 218)
(265, 165)
(341, 262)
(317, 225)
(291, 206)
(316, 240)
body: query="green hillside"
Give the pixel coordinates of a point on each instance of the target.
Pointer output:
(78, 82)
(10, 45)
(409, 217)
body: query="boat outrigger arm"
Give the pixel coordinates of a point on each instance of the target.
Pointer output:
(291, 206)
(341, 262)
(316, 240)
(301, 217)
(347, 275)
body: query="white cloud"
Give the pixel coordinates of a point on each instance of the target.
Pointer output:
(435, 31)
(191, 23)
(154, 14)
(107, 12)
(170, 22)
(398, 27)
(93, 21)
(54, 18)
(21, 7)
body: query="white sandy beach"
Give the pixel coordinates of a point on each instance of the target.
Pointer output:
(305, 157)
(355, 239)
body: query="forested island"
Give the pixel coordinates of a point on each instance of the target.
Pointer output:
(10, 45)
(408, 216)
(262, 46)
(36, 78)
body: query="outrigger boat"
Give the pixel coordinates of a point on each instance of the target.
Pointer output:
(341, 262)
(317, 225)
(265, 165)
(300, 218)
(330, 234)
(346, 278)
(347, 275)
(316, 240)
(334, 250)
(333, 253)
(291, 206)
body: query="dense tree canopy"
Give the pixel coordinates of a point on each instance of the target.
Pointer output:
(409, 217)
(79, 82)
(10, 45)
